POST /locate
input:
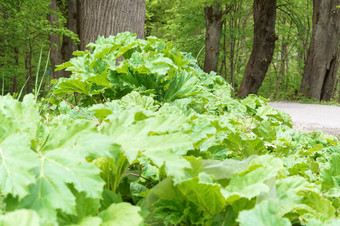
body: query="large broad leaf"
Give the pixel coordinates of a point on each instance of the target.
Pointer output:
(160, 138)
(315, 222)
(17, 161)
(51, 192)
(167, 204)
(20, 217)
(265, 213)
(121, 214)
(18, 116)
(315, 206)
(227, 168)
(135, 99)
(206, 196)
(71, 86)
(89, 221)
(330, 176)
(85, 208)
(80, 135)
(183, 85)
(244, 145)
(252, 182)
(112, 170)
(287, 193)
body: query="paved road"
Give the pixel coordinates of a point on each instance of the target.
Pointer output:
(312, 116)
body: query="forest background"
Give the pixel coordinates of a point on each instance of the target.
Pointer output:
(33, 32)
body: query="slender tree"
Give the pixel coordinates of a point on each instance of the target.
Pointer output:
(319, 76)
(214, 21)
(55, 44)
(68, 44)
(263, 46)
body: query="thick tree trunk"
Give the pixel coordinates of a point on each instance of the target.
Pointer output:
(322, 62)
(263, 46)
(213, 19)
(55, 45)
(105, 18)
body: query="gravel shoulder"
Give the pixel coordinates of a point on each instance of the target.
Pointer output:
(312, 117)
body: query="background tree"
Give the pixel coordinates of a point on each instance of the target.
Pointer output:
(214, 20)
(23, 31)
(106, 18)
(320, 72)
(55, 43)
(263, 46)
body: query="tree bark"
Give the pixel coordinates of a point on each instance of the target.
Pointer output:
(322, 62)
(105, 18)
(263, 46)
(213, 19)
(14, 78)
(28, 66)
(55, 44)
(68, 45)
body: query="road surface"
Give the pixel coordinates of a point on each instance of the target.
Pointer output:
(312, 117)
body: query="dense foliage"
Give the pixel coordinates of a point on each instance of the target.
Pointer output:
(140, 134)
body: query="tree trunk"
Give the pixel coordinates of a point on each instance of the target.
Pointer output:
(107, 18)
(14, 78)
(68, 45)
(232, 44)
(322, 61)
(224, 58)
(55, 45)
(28, 66)
(213, 19)
(263, 46)
(284, 56)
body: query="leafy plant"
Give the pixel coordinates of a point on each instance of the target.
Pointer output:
(140, 134)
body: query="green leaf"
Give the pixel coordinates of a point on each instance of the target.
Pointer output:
(206, 196)
(89, 221)
(159, 138)
(121, 214)
(265, 213)
(287, 192)
(183, 85)
(252, 182)
(135, 99)
(17, 161)
(85, 207)
(330, 175)
(57, 170)
(20, 217)
(18, 116)
(315, 206)
(72, 86)
(243, 145)
(227, 168)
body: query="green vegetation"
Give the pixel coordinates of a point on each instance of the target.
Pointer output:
(152, 138)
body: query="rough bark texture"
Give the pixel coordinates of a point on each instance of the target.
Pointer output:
(322, 62)
(55, 45)
(263, 46)
(213, 19)
(105, 18)
(68, 46)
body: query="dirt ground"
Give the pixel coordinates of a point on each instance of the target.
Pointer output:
(312, 117)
